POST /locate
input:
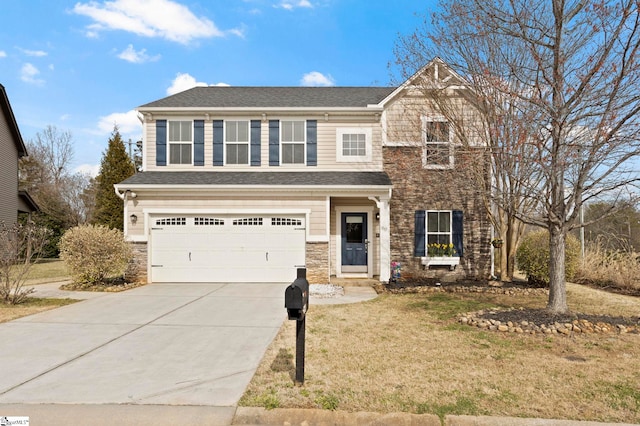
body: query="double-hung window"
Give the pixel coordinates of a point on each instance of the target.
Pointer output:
(180, 142)
(293, 140)
(438, 227)
(237, 142)
(438, 233)
(353, 144)
(436, 136)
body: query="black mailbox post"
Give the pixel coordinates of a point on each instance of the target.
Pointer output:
(296, 296)
(296, 301)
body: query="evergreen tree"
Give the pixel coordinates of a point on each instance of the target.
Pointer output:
(116, 166)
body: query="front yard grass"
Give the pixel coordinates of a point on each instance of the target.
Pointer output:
(31, 306)
(47, 270)
(407, 353)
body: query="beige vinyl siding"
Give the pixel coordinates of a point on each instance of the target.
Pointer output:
(8, 174)
(150, 145)
(403, 119)
(194, 205)
(403, 123)
(326, 145)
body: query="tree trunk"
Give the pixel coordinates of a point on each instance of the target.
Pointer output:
(557, 286)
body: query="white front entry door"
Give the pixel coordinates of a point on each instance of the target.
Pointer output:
(215, 248)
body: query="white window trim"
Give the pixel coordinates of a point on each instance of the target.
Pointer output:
(341, 131)
(225, 143)
(303, 143)
(426, 227)
(427, 119)
(169, 143)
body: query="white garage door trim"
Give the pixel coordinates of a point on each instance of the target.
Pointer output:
(226, 248)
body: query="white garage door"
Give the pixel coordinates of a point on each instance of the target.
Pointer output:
(226, 248)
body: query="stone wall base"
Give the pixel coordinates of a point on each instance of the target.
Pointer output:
(317, 260)
(137, 269)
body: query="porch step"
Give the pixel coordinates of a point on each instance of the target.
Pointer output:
(354, 282)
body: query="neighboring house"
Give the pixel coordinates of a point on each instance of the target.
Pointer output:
(245, 184)
(12, 148)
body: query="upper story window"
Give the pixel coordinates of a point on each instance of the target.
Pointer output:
(353, 144)
(180, 142)
(436, 135)
(237, 142)
(292, 138)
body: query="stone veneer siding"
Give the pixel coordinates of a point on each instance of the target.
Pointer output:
(137, 269)
(417, 188)
(317, 258)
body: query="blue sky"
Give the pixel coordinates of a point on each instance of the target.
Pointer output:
(84, 65)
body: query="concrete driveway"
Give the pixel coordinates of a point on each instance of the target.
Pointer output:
(161, 344)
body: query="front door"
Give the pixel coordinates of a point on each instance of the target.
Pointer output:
(354, 242)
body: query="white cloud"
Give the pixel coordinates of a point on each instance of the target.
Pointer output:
(29, 73)
(137, 57)
(88, 169)
(314, 78)
(184, 81)
(3, 54)
(127, 122)
(150, 18)
(290, 5)
(36, 53)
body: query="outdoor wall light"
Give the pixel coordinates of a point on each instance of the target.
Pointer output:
(134, 219)
(377, 216)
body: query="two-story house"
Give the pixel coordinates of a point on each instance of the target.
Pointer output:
(12, 148)
(244, 184)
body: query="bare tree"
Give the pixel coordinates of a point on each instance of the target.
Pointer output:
(20, 247)
(46, 175)
(569, 71)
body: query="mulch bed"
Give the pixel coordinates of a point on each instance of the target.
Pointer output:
(539, 318)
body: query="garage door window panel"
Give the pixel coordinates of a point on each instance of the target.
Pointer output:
(208, 221)
(172, 221)
(248, 221)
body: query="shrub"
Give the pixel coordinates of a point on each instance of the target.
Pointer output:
(610, 268)
(532, 257)
(93, 253)
(20, 246)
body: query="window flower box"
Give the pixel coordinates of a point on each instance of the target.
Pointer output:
(450, 261)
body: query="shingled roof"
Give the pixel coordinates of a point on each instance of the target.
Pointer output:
(258, 178)
(273, 97)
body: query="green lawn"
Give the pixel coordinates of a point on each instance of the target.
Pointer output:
(47, 270)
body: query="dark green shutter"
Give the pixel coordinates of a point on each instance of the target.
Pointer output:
(198, 143)
(161, 142)
(419, 234)
(312, 142)
(274, 142)
(218, 143)
(255, 142)
(457, 231)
